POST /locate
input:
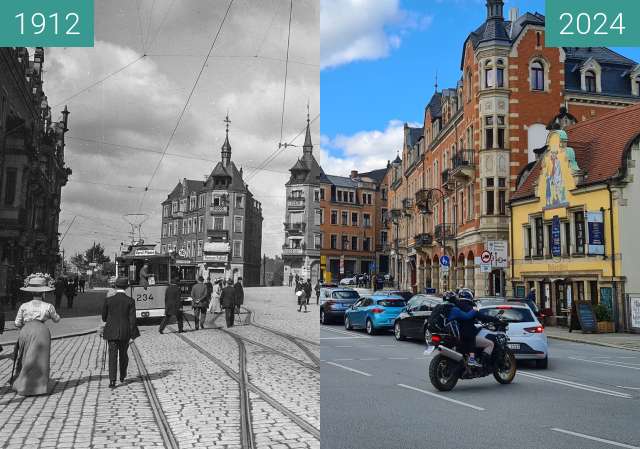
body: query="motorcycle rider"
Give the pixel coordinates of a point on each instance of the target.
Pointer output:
(465, 314)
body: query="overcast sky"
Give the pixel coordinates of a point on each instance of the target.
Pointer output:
(139, 107)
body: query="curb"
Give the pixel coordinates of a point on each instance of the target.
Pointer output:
(59, 337)
(607, 345)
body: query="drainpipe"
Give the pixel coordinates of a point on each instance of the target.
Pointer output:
(613, 258)
(513, 288)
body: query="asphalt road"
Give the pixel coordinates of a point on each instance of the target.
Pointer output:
(376, 394)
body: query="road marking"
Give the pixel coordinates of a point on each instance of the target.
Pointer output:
(387, 346)
(342, 360)
(398, 358)
(589, 437)
(349, 369)
(626, 365)
(370, 358)
(347, 346)
(628, 388)
(341, 332)
(439, 396)
(576, 385)
(339, 338)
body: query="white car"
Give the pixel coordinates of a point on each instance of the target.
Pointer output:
(527, 338)
(348, 281)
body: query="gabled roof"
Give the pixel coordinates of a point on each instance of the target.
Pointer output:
(414, 135)
(376, 175)
(435, 105)
(340, 181)
(600, 54)
(600, 146)
(193, 186)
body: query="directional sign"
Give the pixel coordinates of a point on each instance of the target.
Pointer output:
(485, 268)
(498, 250)
(444, 261)
(485, 257)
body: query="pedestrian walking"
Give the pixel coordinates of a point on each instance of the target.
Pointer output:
(302, 300)
(2, 318)
(239, 296)
(307, 290)
(33, 350)
(199, 302)
(317, 289)
(172, 306)
(228, 300)
(297, 278)
(290, 279)
(59, 287)
(119, 314)
(81, 284)
(574, 321)
(70, 292)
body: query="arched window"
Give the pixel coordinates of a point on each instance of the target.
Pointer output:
(537, 75)
(489, 75)
(590, 81)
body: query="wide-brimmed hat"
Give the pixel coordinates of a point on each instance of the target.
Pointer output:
(38, 283)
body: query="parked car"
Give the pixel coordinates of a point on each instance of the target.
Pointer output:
(531, 303)
(348, 281)
(412, 321)
(527, 338)
(373, 313)
(334, 302)
(406, 294)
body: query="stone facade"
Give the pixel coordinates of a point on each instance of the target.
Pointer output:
(215, 224)
(479, 136)
(32, 169)
(301, 250)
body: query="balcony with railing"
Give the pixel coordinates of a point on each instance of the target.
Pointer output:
(219, 210)
(423, 239)
(295, 202)
(295, 228)
(288, 250)
(462, 165)
(444, 230)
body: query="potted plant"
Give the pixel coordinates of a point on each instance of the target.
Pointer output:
(603, 316)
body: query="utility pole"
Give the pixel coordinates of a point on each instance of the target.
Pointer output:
(264, 270)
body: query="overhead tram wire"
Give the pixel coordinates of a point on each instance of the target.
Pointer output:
(145, 43)
(68, 227)
(286, 72)
(186, 104)
(140, 26)
(269, 58)
(164, 19)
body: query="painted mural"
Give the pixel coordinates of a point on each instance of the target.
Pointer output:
(553, 176)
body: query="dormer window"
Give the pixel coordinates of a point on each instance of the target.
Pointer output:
(635, 85)
(590, 81)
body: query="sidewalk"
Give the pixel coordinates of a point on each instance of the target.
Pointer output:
(66, 326)
(630, 342)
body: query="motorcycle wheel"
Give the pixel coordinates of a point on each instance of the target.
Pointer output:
(443, 373)
(505, 369)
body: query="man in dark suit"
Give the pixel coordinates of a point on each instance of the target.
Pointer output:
(119, 314)
(70, 292)
(172, 305)
(239, 297)
(228, 300)
(59, 286)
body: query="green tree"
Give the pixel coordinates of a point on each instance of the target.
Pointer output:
(95, 254)
(78, 260)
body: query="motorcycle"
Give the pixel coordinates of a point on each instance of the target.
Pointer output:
(448, 365)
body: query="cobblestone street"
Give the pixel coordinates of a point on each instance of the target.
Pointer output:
(184, 390)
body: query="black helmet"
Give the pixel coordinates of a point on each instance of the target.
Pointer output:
(450, 297)
(465, 293)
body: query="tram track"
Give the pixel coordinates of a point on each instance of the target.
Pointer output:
(242, 378)
(168, 438)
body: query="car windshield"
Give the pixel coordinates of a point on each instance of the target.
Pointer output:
(392, 302)
(512, 315)
(345, 294)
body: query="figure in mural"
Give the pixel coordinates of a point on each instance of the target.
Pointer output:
(555, 194)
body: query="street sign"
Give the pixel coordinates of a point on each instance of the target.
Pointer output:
(181, 253)
(372, 267)
(498, 250)
(444, 264)
(485, 257)
(147, 252)
(485, 268)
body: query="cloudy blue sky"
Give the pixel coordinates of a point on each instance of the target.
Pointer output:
(379, 61)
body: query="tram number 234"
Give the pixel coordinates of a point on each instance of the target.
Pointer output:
(144, 297)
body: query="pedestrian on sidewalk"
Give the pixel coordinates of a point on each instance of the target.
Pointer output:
(81, 284)
(317, 289)
(199, 302)
(2, 318)
(574, 321)
(119, 314)
(239, 295)
(33, 350)
(228, 300)
(59, 290)
(302, 300)
(172, 305)
(290, 279)
(307, 290)
(70, 292)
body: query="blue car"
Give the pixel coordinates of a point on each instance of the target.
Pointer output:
(373, 313)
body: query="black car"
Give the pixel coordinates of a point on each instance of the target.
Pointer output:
(412, 321)
(334, 302)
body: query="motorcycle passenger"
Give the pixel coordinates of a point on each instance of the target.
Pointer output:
(465, 315)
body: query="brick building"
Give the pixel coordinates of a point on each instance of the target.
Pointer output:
(479, 135)
(301, 250)
(351, 223)
(32, 168)
(215, 224)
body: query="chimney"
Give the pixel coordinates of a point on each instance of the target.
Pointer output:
(354, 174)
(514, 13)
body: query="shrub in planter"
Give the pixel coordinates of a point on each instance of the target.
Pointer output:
(602, 313)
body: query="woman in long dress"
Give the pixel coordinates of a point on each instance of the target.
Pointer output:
(34, 342)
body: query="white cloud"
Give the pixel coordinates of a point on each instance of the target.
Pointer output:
(364, 150)
(353, 30)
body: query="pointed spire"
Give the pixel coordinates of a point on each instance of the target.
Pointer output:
(308, 146)
(226, 146)
(436, 85)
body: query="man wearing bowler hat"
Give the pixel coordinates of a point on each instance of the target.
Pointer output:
(119, 314)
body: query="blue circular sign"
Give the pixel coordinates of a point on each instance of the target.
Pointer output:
(444, 261)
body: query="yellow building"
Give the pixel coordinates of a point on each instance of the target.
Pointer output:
(565, 217)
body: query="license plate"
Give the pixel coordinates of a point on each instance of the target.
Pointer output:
(429, 350)
(514, 345)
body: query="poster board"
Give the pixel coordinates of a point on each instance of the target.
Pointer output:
(586, 316)
(634, 308)
(520, 291)
(606, 297)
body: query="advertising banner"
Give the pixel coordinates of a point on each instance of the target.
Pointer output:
(555, 237)
(634, 307)
(595, 233)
